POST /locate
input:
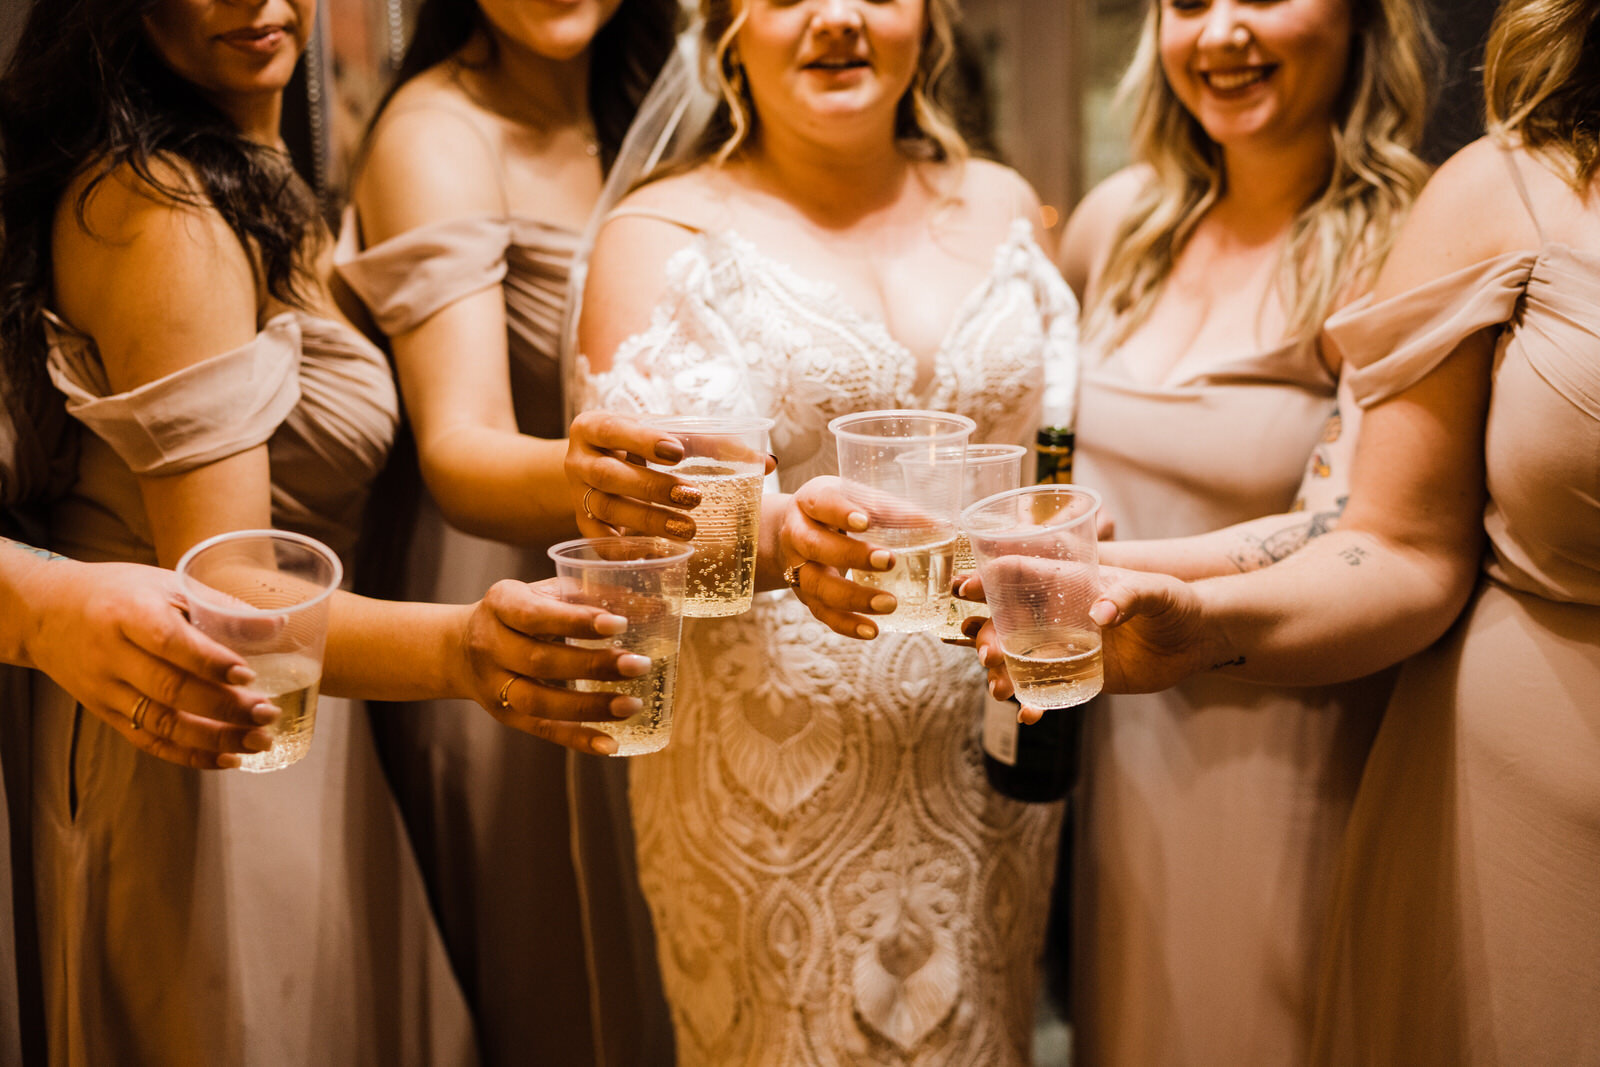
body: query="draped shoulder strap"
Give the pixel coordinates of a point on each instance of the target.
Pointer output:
(1522, 191)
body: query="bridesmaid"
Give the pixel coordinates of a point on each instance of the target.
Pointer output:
(1466, 927)
(480, 172)
(187, 918)
(1275, 146)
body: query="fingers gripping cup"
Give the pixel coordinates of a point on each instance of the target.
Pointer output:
(990, 469)
(726, 459)
(642, 579)
(266, 594)
(904, 468)
(1036, 552)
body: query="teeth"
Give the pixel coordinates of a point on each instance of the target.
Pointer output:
(1229, 80)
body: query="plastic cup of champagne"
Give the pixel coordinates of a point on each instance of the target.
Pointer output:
(726, 459)
(990, 469)
(906, 469)
(266, 594)
(1036, 553)
(643, 580)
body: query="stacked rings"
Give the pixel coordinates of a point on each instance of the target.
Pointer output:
(140, 708)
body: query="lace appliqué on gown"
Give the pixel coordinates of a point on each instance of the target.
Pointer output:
(832, 879)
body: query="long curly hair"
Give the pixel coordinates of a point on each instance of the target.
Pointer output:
(85, 90)
(625, 57)
(1541, 76)
(1339, 239)
(923, 123)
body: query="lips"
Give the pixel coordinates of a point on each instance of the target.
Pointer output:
(836, 63)
(259, 40)
(1236, 79)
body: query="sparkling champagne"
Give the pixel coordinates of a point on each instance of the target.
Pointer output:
(920, 582)
(290, 681)
(1060, 671)
(651, 728)
(960, 610)
(722, 571)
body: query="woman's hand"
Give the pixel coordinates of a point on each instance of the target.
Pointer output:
(116, 637)
(611, 487)
(1153, 630)
(515, 654)
(813, 548)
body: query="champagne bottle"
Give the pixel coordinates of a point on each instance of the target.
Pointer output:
(1039, 762)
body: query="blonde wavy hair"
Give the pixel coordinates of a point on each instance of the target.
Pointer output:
(1339, 239)
(922, 125)
(1541, 80)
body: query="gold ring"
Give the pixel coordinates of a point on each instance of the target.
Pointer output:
(791, 575)
(592, 516)
(505, 693)
(140, 707)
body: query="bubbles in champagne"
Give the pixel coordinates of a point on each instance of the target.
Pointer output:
(651, 728)
(290, 681)
(961, 610)
(920, 582)
(722, 571)
(1062, 670)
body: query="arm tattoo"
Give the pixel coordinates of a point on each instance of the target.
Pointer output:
(42, 553)
(1256, 552)
(1353, 555)
(1237, 661)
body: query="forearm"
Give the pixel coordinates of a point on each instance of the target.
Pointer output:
(24, 577)
(1237, 549)
(1376, 603)
(386, 650)
(769, 555)
(501, 485)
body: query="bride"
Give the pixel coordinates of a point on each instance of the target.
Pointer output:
(830, 878)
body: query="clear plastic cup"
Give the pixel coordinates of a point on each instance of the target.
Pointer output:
(642, 579)
(1036, 552)
(266, 595)
(726, 459)
(990, 469)
(905, 469)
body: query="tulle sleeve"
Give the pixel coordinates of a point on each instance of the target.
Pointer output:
(205, 412)
(1390, 346)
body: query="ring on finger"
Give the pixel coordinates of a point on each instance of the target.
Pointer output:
(791, 575)
(505, 693)
(586, 509)
(140, 708)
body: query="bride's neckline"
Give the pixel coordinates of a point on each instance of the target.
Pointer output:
(825, 296)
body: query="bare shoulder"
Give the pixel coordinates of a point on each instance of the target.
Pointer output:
(1469, 211)
(133, 232)
(627, 269)
(995, 196)
(1087, 241)
(428, 160)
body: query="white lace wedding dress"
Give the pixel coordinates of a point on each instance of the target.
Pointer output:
(831, 878)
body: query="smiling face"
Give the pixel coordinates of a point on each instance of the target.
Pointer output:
(815, 65)
(1252, 70)
(554, 29)
(231, 50)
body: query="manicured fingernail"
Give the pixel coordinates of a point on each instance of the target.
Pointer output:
(866, 631)
(265, 714)
(883, 603)
(970, 626)
(858, 521)
(258, 740)
(631, 665)
(610, 625)
(1024, 717)
(994, 686)
(961, 589)
(774, 457)
(990, 658)
(227, 761)
(881, 560)
(685, 496)
(622, 707)
(1103, 612)
(680, 528)
(239, 674)
(603, 746)
(668, 450)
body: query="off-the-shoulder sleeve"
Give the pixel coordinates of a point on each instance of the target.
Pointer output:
(205, 412)
(408, 278)
(1390, 346)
